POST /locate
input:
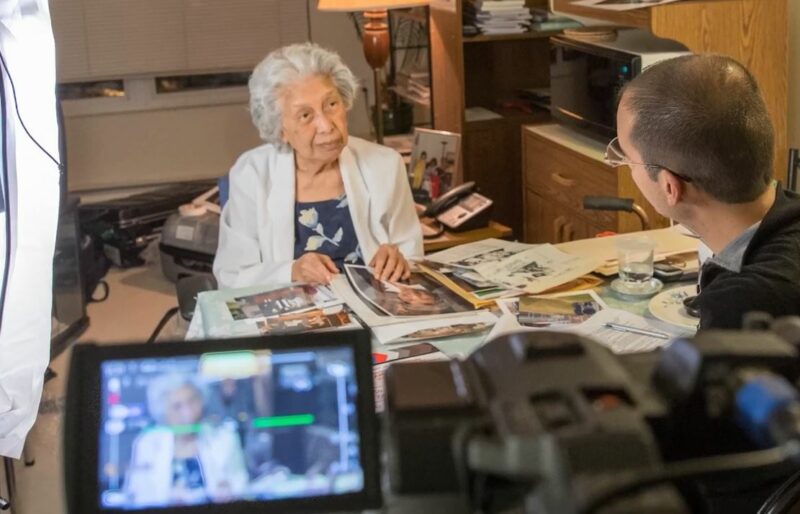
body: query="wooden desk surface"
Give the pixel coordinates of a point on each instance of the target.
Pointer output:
(450, 239)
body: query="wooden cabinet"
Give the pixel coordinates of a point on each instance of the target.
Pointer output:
(754, 32)
(561, 168)
(487, 71)
(549, 222)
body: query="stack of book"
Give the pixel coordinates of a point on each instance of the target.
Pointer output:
(496, 17)
(545, 20)
(416, 84)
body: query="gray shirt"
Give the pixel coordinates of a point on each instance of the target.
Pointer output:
(732, 255)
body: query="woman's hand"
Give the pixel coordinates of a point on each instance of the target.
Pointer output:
(313, 267)
(389, 264)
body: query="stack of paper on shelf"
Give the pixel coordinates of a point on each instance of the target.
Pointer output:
(495, 17)
(272, 310)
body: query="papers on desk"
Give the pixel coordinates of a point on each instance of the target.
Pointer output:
(669, 241)
(272, 310)
(481, 252)
(536, 269)
(420, 299)
(470, 324)
(595, 328)
(628, 342)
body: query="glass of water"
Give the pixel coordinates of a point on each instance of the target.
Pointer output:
(635, 258)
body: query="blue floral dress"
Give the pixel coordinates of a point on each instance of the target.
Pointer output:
(326, 227)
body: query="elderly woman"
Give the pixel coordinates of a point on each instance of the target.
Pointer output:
(312, 198)
(182, 460)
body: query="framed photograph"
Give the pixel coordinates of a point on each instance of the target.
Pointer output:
(434, 164)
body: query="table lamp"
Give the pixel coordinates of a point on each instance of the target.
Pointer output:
(376, 38)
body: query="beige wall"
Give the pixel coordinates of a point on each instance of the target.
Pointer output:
(120, 149)
(794, 73)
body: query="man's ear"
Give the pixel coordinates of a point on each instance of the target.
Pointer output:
(672, 187)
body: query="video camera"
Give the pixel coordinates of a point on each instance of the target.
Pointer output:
(535, 422)
(554, 423)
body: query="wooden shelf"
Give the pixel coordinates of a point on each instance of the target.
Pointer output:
(402, 93)
(537, 117)
(635, 18)
(484, 38)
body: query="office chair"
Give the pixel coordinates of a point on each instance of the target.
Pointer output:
(612, 203)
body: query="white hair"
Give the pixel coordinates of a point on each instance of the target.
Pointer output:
(160, 387)
(284, 66)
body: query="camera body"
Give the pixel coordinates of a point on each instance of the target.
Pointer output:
(547, 420)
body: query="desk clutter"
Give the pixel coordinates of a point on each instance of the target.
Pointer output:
(476, 291)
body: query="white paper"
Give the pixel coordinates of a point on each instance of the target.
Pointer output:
(398, 333)
(472, 254)
(537, 269)
(626, 342)
(595, 329)
(620, 5)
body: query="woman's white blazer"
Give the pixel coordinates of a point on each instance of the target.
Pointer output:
(256, 239)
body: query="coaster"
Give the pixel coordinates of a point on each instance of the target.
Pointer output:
(642, 290)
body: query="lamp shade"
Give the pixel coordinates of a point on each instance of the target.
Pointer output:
(367, 5)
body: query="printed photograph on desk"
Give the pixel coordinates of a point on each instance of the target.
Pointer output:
(434, 163)
(295, 298)
(418, 296)
(537, 269)
(471, 255)
(569, 309)
(306, 321)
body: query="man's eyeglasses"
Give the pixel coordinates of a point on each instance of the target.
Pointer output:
(614, 156)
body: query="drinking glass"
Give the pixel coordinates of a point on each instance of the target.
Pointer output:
(635, 257)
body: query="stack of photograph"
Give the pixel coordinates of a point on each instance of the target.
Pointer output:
(451, 293)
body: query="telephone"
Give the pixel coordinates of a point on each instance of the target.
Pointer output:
(461, 208)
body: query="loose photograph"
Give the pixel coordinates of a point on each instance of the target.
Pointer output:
(459, 329)
(434, 161)
(568, 310)
(303, 322)
(418, 296)
(281, 301)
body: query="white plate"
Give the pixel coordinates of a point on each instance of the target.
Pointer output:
(668, 307)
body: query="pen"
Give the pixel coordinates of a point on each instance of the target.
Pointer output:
(634, 330)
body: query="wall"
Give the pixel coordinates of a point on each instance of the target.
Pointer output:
(111, 149)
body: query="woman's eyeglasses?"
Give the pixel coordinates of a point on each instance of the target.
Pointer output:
(614, 156)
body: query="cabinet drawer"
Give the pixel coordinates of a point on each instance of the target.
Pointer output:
(549, 222)
(566, 177)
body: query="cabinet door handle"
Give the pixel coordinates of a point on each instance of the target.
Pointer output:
(561, 180)
(558, 229)
(569, 232)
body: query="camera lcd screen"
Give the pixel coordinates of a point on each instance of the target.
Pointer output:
(287, 425)
(221, 427)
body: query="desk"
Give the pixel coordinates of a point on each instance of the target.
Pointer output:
(450, 239)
